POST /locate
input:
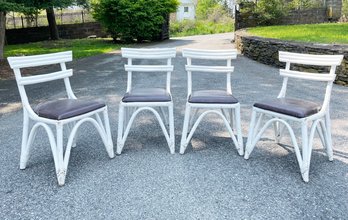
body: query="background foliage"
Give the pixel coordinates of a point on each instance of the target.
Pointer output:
(212, 16)
(267, 12)
(133, 19)
(270, 12)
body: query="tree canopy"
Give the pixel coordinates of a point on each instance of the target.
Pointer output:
(6, 6)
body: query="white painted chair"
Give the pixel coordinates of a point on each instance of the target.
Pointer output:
(283, 110)
(151, 99)
(67, 113)
(220, 102)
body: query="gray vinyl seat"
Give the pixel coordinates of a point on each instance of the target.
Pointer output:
(147, 95)
(154, 98)
(66, 108)
(212, 96)
(60, 119)
(204, 101)
(289, 106)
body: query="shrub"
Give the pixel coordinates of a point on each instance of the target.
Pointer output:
(345, 8)
(304, 4)
(267, 12)
(133, 19)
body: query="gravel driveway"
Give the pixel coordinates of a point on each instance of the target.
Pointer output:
(210, 181)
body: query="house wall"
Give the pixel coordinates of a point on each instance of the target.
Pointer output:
(181, 14)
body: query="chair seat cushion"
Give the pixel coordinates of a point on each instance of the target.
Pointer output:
(288, 106)
(212, 96)
(147, 95)
(66, 108)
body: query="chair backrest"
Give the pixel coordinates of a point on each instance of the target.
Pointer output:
(18, 63)
(331, 61)
(226, 55)
(148, 54)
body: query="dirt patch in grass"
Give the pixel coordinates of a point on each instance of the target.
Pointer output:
(5, 70)
(7, 73)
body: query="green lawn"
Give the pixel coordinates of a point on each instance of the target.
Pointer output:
(329, 33)
(80, 47)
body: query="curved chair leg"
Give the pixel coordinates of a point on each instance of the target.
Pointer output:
(251, 135)
(126, 117)
(233, 118)
(239, 131)
(276, 131)
(164, 116)
(192, 116)
(70, 126)
(30, 141)
(329, 149)
(171, 129)
(24, 148)
(120, 142)
(305, 152)
(61, 171)
(109, 146)
(322, 133)
(183, 143)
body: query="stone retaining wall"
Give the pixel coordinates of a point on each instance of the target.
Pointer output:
(307, 16)
(330, 10)
(265, 50)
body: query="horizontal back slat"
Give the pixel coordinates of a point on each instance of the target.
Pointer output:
(310, 59)
(156, 53)
(149, 68)
(309, 76)
(40, 60)
(210, 54)
(44, 77)
(210, 69)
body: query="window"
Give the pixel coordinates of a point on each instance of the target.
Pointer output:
(186, 9)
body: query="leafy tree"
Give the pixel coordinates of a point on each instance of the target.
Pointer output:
(133, 19)
(6, 6)
(270, 11)
(49, 6)
(203, 6)
(86, 4)
(304, 4)
(345, 7)
(206, 7)
(266, 12)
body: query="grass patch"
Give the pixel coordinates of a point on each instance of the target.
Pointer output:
(199, 27)
(80, 47)
(328, 33)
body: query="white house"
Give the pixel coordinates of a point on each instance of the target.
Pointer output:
(186, 10)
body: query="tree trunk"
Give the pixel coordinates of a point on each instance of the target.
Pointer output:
(2, 33)
(52, 25)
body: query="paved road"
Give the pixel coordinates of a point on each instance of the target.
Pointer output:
(146, 182)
